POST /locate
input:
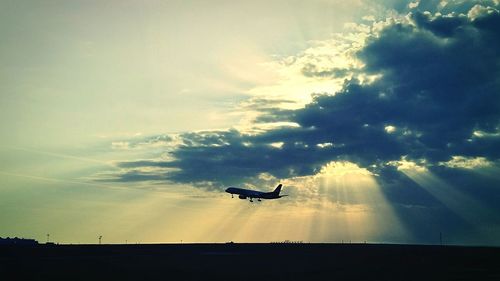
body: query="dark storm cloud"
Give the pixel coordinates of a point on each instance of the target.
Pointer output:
(244, 156)
(133, 175)
(144, 163)
(261, 103)
(441, 88)
(272, 115)
(444, 7)
(311, 70)
(440, 26)
(439, 85)
(269, 108)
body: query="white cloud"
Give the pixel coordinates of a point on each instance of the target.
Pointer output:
(405, 165)
(390, 129)
(479, 10)
(470, 163)
(278, 145)
(325, 145)
(483, 134)
(413, 5)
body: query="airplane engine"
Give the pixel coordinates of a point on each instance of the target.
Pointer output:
(242, 197)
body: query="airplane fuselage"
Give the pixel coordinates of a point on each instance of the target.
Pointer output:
(253, 194)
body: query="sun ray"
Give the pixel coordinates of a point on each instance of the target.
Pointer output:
(450, 196)
(347, 204)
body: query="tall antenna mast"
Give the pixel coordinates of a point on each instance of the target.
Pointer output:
(100, 237)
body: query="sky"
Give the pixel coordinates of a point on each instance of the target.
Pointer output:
(128, 119)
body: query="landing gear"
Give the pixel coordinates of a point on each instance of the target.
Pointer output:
(251, 200)
(259, 200)
(232, 196)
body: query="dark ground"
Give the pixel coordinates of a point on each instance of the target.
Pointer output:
(248, 262)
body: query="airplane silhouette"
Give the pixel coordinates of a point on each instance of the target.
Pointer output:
(251, 194)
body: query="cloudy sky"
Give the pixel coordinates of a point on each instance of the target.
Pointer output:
(128, 119)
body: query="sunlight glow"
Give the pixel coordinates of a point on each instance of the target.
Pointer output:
(345, 203)
(338, 169)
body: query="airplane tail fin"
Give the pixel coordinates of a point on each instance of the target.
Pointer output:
(278, 189)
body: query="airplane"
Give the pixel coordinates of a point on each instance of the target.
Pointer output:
(251, 194)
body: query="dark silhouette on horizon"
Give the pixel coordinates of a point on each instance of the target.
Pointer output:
(17, 241)
(243, 261)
